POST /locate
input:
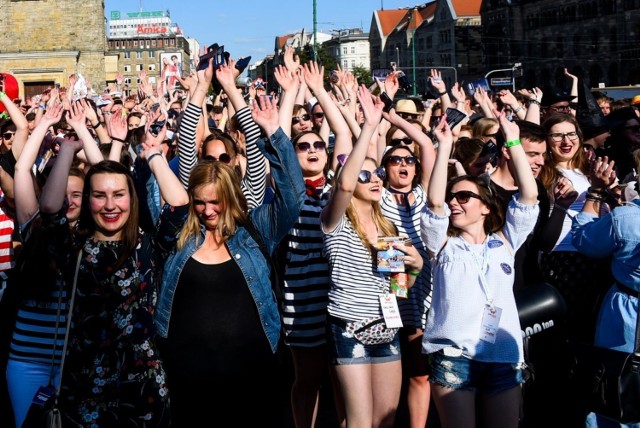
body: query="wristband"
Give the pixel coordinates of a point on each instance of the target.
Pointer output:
(595, 190)
(532, 101)
(442, 93)
(414, 272)
(96, 126)
(116, 139)
(41, 106)
(512, 143)
(518, 110)
(153, 155)
(594, 197)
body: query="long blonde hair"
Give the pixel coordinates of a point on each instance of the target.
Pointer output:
(228, 193)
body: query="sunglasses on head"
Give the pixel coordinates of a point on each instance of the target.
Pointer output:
(305, 147)
(297, 119)
(224, 158)
(462, 196)
(365, 176)
(396, 141)
(8, 135)
(397, 160)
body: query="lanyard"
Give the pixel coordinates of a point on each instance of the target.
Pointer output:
(482, 268)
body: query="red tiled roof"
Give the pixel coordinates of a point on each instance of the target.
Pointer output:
(282, 40)
(389, 19)
(466, 7)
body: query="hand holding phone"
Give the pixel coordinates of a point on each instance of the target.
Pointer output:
(388, 102)
(454, 117)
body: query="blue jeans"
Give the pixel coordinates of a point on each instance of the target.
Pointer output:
(470, 375)
(345, 349)
(23, 380)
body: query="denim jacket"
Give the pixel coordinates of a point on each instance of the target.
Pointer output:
(272, 221)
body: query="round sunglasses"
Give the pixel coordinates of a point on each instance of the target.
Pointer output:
(296, 119)
(365, 176)
(224, 158)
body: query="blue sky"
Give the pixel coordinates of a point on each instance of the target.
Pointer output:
(249, 27)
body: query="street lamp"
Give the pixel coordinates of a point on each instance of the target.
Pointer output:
(397, 57)
(413, 50)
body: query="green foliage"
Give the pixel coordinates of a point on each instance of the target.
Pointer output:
(363, 75)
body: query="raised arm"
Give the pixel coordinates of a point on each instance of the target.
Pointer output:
(20, 121)
(438, 183)
(55, 188)
(290, 83)
(348, 177)
(78, 121)
(24, 191)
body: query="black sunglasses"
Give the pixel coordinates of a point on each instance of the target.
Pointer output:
(305, 147)
(297, 119)
(318, 115)
(8, 135)
(462, 196)
(224, 158)
(396, 141)
(396, 160)
(365, 176)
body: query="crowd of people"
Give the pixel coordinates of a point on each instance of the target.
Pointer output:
(217, 248)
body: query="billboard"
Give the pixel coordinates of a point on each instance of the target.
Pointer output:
(170, 70)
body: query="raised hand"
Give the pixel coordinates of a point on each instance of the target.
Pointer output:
(371, 107)
(76, 116)
(291, 61)
(287, 80)
(265, 114)
(436, 80)
(313, 76)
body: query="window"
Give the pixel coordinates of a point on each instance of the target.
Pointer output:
(353, 49)
(344, 51)
(353, 63)
(151, 79)
(127, 80)
(138, 67)
(135, 43)
(127, 55)
(139, 55)
(127, 68)
(152, 67)
(152, 54)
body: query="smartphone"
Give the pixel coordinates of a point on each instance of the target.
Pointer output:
(217, 53)
(388, 102)
(454, 117)
(242, 63)
(155, 127)
(155, 107)
(480, 83)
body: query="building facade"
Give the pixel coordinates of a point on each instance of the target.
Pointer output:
(43, 42)
(350, 48)
(594, 39)
(149, 42)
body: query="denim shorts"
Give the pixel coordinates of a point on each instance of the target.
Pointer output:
(470, 375)
(345, 349)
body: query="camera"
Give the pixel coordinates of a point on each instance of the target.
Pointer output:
(334, 78)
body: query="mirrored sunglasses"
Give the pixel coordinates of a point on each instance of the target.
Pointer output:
(397, 160)
(365, 176)
(296, 119)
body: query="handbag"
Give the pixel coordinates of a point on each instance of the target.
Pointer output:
(371, 331)
(44, 410)
(608, 381)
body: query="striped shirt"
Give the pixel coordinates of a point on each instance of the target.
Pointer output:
(253, 183)
(413, 309)
(306, 277)
(356, 285)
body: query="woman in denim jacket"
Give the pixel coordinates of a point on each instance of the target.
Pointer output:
(615, 235)
(217, 310)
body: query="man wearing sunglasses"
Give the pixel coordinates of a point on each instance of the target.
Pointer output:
(554, 103)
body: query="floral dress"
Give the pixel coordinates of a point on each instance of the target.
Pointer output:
(113, 375)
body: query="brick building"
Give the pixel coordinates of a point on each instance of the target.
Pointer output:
(42, 42)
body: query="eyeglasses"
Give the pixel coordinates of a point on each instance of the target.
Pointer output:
(462, 196)
(224, 158)
(559, 136)
(408, 115)
(396, 160)
(365, 176)
(305, 147)
(297, 119)
(633, 128)
(318, 115)
(8, 135)
(396, 141)
(561, 108)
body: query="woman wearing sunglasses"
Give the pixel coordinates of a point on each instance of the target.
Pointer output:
(369, 375)
(404, 196)
(301, 120)
(472, 333)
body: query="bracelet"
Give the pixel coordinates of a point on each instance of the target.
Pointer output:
(594, 197)
(518, 110)
(414, 272)
(534, 101)
(596, 190)
(41, 106)
(512, 143)
(442, 93)
(118, 139)
(96, 126)
(153, 155)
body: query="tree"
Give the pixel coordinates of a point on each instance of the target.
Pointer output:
(363, 75)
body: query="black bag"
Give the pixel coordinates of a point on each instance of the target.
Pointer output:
(607, 381)
(45, 415)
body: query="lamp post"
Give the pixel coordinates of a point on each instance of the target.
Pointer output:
(397, 57)
(315, 33)
(413, 50)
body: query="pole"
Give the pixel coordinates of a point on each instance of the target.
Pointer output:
(413, 51)
(315, 33)
(397, 57)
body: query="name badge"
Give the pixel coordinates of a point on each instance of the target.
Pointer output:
(490, 322)
(390, 311)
